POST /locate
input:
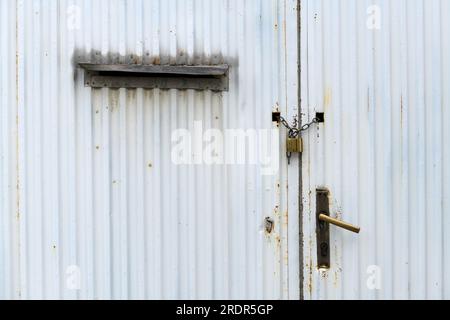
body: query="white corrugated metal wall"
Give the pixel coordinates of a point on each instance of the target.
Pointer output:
(84, 189)
(88, 188)
(8, 155)
(384, 153)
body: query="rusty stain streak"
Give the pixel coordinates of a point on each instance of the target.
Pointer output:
(310, 284)
(327, 98)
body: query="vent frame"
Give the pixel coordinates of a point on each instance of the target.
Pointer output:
(182, 77)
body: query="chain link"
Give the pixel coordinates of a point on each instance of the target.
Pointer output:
(294, 131)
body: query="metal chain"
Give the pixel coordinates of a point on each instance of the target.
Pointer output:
(293, 130)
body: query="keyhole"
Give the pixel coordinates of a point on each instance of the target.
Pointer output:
(324, 249)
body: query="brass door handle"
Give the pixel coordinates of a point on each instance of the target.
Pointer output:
(347, 226)
(323, 221)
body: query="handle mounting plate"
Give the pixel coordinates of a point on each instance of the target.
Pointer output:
(322, 229)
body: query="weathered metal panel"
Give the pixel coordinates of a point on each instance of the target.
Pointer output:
(92, 205)
(9, 267)
(383, 152)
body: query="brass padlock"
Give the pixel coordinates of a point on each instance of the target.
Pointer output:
(294, 145)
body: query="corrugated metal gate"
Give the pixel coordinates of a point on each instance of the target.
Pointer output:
(380, 71)
(92, 205)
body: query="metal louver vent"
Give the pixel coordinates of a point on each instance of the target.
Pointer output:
(213, 78)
